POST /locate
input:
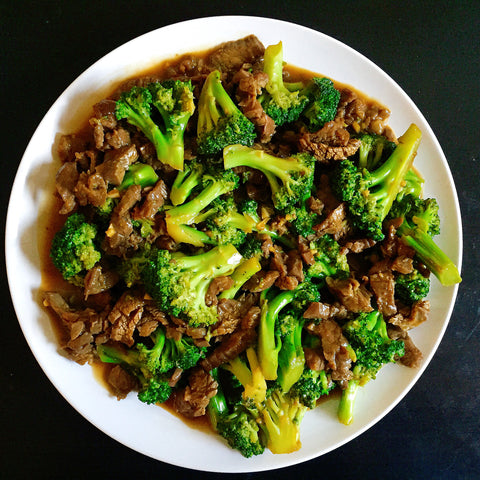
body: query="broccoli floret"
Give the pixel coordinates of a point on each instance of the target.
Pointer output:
(281, 104)
(220, 122)
(269, 335)
(411, 287)
(290, 179)
(104, 212)
(74, 249)
(369, 194)
(323, 102)
(186, 181)
(279, 418)
(173, 100)
(179, 282)
(420, 223)
(312, 385)
(130, 268)
(180, 218)
(139, 174)
(374, 150)
(413, 185)
(142, 363)
(367, 335)
(252, 247)
(329, 261)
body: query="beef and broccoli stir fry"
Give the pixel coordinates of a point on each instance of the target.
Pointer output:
(239, 239)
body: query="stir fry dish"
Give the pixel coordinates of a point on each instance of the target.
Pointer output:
(238, 239)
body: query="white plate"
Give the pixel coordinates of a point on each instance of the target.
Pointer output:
(151, 430)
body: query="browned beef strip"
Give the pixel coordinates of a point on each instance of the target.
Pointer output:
(232, 345)
(119, 232)
(351, 293)
(228, 57)
(416, 316)
(124, 317)
(359, 245)
(97, 280)
(65, 181)
(121, 382)
(402, 264)
(192, 401)
(334, 349)
(69, 145)
(324, 310)
(91, 189)
(314, 358)
(151, 204)
(261, 281)
(334, 224)
(80, 327)
(383, 285)
(116, 163)
(118, 138)
(250, 86)
(413, 356)
(217, 285)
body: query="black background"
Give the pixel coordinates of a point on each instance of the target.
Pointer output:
(432, 49)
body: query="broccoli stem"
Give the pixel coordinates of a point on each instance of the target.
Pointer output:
(217, 407)
(273, 67)
(391, 174)
(184, 183)
(139, 174)
(246, 269)
(431, 255)
(347, 402)
(269, 343)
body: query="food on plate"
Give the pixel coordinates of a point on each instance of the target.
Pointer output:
(238, 239)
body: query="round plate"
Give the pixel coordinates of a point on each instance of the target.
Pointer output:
(152, 430)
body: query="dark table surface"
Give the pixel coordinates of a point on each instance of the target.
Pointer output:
(431, 48)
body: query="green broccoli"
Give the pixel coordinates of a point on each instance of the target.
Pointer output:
(179, 282)
(290, 179)
(245, 270)
(413, 185)
(369, 194)
(329, 261)
(130, 267)
(312, 385)
(186, 181)
(374, 150)
(420, 222)
(323, 103)
(220, 122)
(411, 287)
(142, 365)
(179, 220)
(73, 250)
(367, 335)
(279, 103)
(139, 174)
(173, 100)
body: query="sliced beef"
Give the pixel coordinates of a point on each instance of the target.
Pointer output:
(192, 401)
(324, 310)
(98, 280)
(416, 315)
(334, 224)
(413, 356)
(121, 382)
(69, 145)
(382, 283)
(116, 163)
(261, 281)
(65, 181)
(334, 349)
(124, 317)
(217, 285)
(353, 295)
(91, 189)
(152, 203)
(359, 245)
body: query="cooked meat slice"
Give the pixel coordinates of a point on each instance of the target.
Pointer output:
(261, 281)
(402, 264)
(230, 56)
(314, 359)
(351, 293)
(152, 202)
(413, 356)
(65, 181)
(324, 310)
(217, 285)
(121, 382)
(383, 285)
(418, 314)
(334, 349)
(116, 163)
(334, 224)
(124, 317)
(232, 345)
(97, 280)
(69, 145)
(192, 401)
(118, 138)
(359, 245)
(91, 189)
